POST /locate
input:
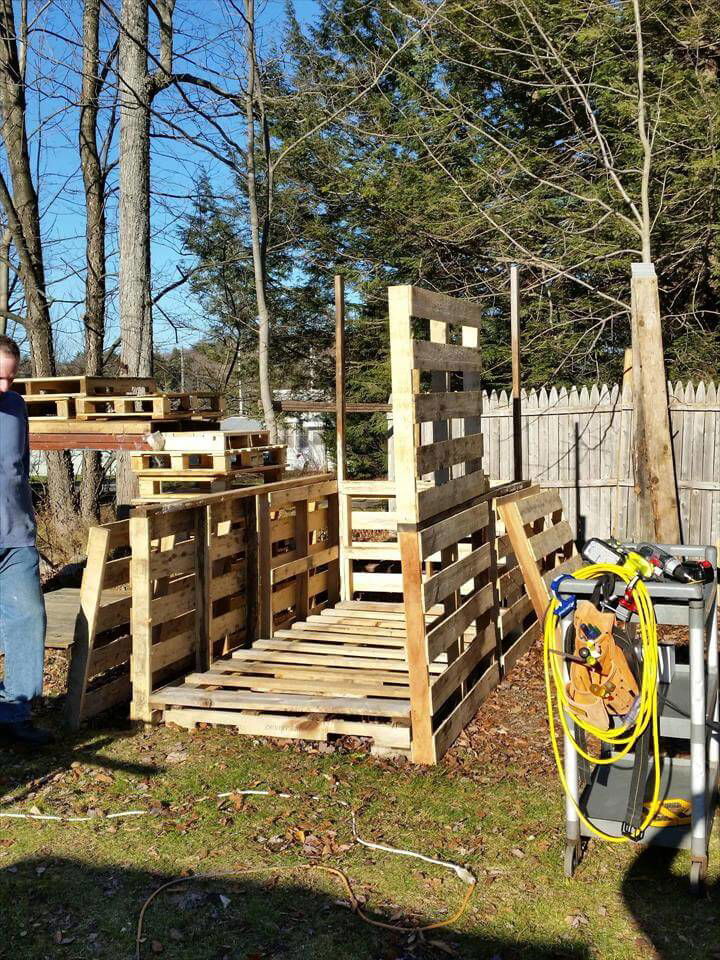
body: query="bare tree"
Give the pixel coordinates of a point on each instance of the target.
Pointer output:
(94, 76)
(138, 87)
(20, 202)
(259, 235)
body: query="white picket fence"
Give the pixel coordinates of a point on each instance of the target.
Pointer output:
(580, 443)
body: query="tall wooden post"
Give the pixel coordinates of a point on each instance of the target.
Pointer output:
(344, 501)
(405, 426)
(515, 350)
(659, 516)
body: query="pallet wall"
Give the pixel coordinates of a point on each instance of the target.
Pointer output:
(209, 577)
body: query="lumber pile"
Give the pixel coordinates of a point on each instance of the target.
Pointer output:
(88, 404)
(192, 464)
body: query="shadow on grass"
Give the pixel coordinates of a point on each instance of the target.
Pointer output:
(25, 770)
(678, 924)
(69, 908)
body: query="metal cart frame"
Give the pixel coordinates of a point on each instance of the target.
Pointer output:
(695, 689)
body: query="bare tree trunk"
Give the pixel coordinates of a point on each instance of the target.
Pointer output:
(134, 193)
(5, 279)
(258, 246)
(136, 335)
(95, 288)
(23, 216)
(137, 87)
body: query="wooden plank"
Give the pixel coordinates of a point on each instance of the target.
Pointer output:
(537, 589)
(446, 532)
(450, 357)
(431, 305)
(110, 655)
(373, 550)
(300, 642)
(264, 553)
(550, 540)
(309, 491)
(116, 691)
(445, 406)
(451, 578)
(238, 700)
(450, 494)
(321, 684)
(117, 573)
(446, 453)
(381, 489)
(85, 625)
(303, 564)
(141, 619)
(113, 614)
(541, 504)
(349, 661)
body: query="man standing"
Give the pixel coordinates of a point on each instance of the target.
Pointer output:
(22, 608)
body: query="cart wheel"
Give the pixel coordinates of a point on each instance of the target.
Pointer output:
(573, 855)
(698, 872)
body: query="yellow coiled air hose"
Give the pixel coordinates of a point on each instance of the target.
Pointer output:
(621, 738)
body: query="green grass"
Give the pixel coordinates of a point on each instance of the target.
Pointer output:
(74, 891)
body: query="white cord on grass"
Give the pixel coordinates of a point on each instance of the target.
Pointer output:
(460, 872)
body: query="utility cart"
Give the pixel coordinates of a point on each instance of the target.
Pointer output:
(689, 701)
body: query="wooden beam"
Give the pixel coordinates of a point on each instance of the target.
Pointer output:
(656, 489)
(400, 300)
(516, 378)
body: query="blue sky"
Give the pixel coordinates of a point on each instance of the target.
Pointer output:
(52, 126)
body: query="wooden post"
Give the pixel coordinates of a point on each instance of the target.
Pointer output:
(621, 448)
(344, 501)
(515, 351)
(141, 619)
(441, 429)
(333, 587)
(203, 641)
(405, 429)
(251, 569)
(265, 614)
(302, 579)
(655, 469)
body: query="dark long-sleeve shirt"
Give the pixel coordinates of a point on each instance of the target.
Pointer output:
(17, 518)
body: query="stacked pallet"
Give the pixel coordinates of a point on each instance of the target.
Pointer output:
(192, 464)
(85, 401)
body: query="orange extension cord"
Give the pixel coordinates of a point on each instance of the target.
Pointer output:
(332, 871)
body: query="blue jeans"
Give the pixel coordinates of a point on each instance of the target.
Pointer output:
(22, 632)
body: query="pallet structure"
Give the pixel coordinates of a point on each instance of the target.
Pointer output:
(194, 464)
(320, 606)
(99, 673)
(109, 413)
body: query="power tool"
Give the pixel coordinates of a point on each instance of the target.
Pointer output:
(684, 571)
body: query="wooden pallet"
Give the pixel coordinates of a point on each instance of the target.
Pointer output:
(340, 672)
(213, 441)
(82, 386)
(99, 675)
(208, 463)
(158, 406)
(50, 407)
(543, 543)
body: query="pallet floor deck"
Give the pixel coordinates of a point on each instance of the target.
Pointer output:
(309, 681)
